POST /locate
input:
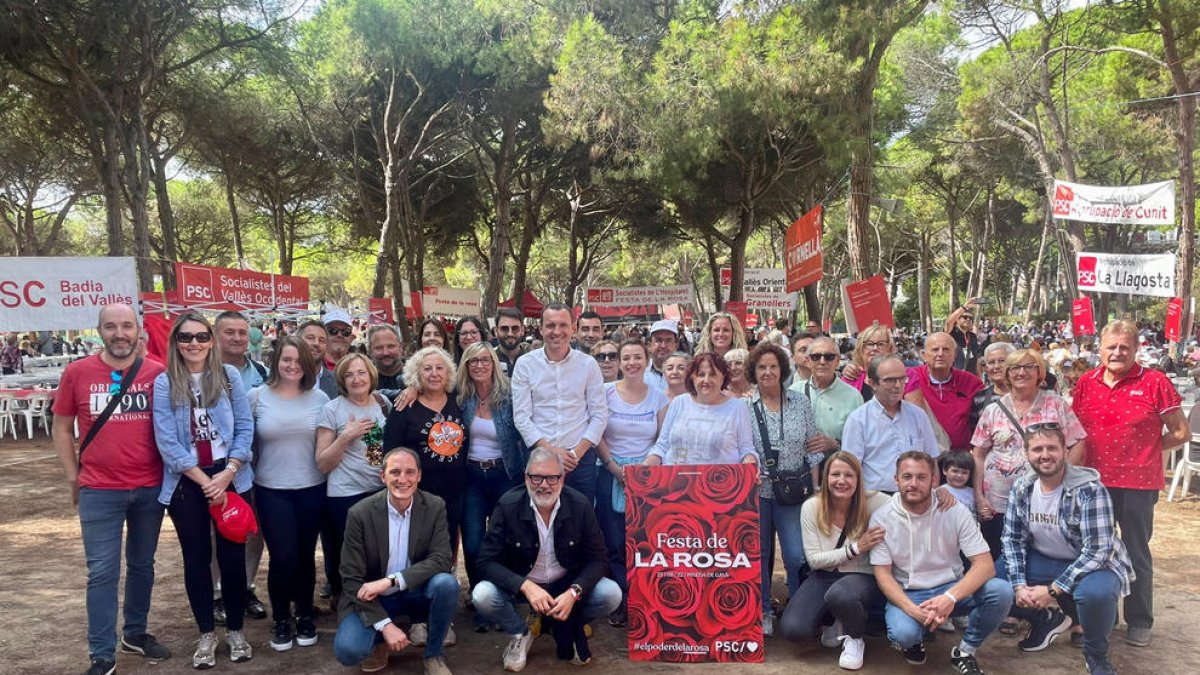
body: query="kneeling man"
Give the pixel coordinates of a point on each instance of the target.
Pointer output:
(544, 546)
(919, 570)
(1060, 544)
(395, 560)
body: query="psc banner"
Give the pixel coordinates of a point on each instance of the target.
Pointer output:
(62, 293)
(693, 560)
(225, 288)
(1150, 204)
(639, 295)
(1127, 273)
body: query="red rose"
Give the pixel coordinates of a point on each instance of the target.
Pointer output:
(729, 605)
(655, 484)
(677, 599)
(724, 487)
(741, 531)
(644, 627)
(677, 521)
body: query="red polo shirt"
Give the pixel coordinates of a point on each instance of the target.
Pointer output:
(949, 401)
(1124, 425)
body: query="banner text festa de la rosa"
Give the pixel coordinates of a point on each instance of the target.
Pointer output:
(62, 293)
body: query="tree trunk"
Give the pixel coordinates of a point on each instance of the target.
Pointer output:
(737, 253)
(1185, 140)
(1047, 223)
(166, 218)
(812, 303)
(924, 292)
(858, 209)
(524, 247)
(137, 191)
(231, 201)
(714, 269)
(952, 217)
(502, 228)
(109, 166)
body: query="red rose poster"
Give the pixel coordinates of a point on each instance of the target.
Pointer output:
(692, 551)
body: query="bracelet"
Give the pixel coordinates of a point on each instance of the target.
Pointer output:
(950, 595)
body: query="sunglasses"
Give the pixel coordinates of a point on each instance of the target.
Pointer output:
(606, 356)
(116, 383)
(184, 337)
(1043, 426)
(822, 356)
(538, 479)
(340, 332)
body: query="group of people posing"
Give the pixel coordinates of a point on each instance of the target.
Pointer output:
(519, 454)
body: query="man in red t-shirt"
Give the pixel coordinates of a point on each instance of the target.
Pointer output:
(944, 389)
(115, 481)
(1123, 407)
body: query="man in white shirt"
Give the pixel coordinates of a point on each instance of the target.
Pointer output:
(919, 568)
(413, 576)
(559, 402)
(886, 425)
(544, 546)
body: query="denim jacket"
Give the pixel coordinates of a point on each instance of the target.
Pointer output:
(173, 431)
(512, 447)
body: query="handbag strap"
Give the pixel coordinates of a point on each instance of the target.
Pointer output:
(1012, 418)
(113, 402)
(772, 455)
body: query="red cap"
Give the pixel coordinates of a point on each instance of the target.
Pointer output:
(235, 521)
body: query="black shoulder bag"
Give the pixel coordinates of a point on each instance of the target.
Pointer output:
(791, 487)
(109, 409)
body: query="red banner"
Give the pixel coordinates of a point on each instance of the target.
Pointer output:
(738, 309)
(802, 258)
(224, 288)
(869, 301)
(1082, 321)
(1171, 328)
(380, 310)
(692, 551)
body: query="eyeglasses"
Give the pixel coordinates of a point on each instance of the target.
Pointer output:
(876, 345)
(1030, 367)
(893, 381)
(538, 479)
(480, 361)
(605, 356)
(185, 337)
(340, 332)
(468, 333)
(1043, 426)
(822, 356)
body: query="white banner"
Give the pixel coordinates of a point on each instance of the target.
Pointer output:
(1126, 273)
(62, 293)
(639, 295)
(450, 301)
(763, 288)
(1150, 204)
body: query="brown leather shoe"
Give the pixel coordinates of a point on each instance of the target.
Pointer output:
(378, 660)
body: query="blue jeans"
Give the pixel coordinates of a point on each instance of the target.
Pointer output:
(434, 602)
(103, 514)
(775, 518)
(484, 488)
(499, 607)
(583, 478)
(1093, 600)
(612, 524)
(985, 609)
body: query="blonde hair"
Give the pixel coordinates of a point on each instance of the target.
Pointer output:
(412, 368)
(858, 517)
(704, 344)
(867, 333)
(339, 371)
(1127, 328)
(466, 387)
(213, 382)
(1020, 355)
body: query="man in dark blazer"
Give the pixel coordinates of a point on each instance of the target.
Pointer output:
(544, 546)
(395, 560)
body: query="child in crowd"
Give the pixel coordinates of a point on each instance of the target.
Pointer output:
(958, 471)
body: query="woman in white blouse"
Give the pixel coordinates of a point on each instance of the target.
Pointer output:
(707, 426)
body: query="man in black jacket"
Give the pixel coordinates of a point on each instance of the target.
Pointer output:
(544, 546)
(395, 560)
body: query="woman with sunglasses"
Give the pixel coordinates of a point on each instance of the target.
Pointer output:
(496, 454)
(289, 487)
(204, 429)
(605, 353)
(998, 444)
(721, 333)
(635, 414)
(872, 341)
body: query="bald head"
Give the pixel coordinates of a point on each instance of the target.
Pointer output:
(940, 349)
(118, 328)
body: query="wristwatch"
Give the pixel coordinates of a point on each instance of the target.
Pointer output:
(1054, 593)
(577, 591)
(395, 579)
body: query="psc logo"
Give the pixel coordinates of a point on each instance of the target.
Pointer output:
(1087, 270)
(1063, 196)
(197, 284)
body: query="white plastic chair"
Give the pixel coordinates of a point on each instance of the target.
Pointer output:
(37, 407)
(7, 414)
(1189, 463)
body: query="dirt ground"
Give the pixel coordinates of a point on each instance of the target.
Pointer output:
(43, 626)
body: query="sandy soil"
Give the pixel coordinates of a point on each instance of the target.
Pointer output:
(42, 619)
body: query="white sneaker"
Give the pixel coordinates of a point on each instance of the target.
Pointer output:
(418, 634)
(205, 656)
(451, 639)
(517, 651)
(239, 649)
(768, 624)
(852, 653)
(831, 635)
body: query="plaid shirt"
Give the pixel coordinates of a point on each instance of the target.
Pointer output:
(1086, 520)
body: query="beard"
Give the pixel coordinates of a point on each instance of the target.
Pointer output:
(544, 500)
(120, 349)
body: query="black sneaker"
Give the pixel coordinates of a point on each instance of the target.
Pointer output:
(964, 664)
(219, 611)
(281, 637)
(619, 618)
(1101, 666)
(1044, 629)
(254, 606)
(145, 646)
(306, 631)
(915, 655)
(102, 667)
(325, 590)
